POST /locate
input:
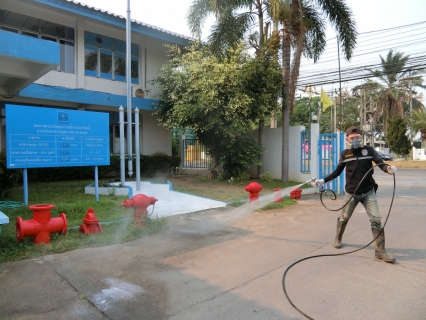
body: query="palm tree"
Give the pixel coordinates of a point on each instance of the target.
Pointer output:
(396, 82)
(234, 19)
(303, 25)
(418, 122)
(303, 31)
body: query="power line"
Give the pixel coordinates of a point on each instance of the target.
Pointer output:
(354, 67)
(352, 77)
(369, 44)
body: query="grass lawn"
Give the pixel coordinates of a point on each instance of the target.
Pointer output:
(408, 164)
(69, 198)
(117, 223)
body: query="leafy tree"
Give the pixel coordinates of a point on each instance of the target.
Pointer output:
(300, 116)
(396, 137)
(302, 108)
(218, 98)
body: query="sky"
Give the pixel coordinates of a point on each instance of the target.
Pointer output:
(170, 14)
(379, 24)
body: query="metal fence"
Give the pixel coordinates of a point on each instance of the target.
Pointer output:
(328, 158)
(195, 155)
(305, 151)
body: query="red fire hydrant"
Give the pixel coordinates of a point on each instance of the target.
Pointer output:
(42, 225)
(296, 194)
(253, 188)
(91, 223)
(278, 197)
(139, 203)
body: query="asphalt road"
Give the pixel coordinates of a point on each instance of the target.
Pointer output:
(228, 264)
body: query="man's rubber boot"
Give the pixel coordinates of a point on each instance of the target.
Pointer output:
(379, 244)
(341, 226)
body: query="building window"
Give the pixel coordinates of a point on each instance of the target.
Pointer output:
(105, 58)
(120, 66)
(42, 29)
(91, 61)
(106, 63)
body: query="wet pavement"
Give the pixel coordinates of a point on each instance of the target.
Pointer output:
(228, 263)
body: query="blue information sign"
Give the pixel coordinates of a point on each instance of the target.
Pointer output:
(47, 137)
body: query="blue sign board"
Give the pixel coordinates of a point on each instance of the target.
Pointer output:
(48, 137)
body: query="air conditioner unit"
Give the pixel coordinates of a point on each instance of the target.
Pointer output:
(139, 92)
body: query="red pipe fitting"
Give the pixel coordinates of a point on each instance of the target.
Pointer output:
(253, 188)
(42, 225)
(296, 194)
(91, 224)
(139, 203)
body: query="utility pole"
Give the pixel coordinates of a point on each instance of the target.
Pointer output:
(361, 110)
(335, 110)
(340, 82)
(364, 117)
(309, 104)
(411, 97)
(411, 79)
(370, 122)
(129, 92)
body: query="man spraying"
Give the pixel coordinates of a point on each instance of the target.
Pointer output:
(357, 159)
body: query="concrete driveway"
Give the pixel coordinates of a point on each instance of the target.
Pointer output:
(228, 263)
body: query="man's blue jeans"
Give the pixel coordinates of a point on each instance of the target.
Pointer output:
(369, 201)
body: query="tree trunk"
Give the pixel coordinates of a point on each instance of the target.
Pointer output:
(261, 132)
(286, 53)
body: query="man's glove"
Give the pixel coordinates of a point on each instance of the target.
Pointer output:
(317, 182)
(392, 169)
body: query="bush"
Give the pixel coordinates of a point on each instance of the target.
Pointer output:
(8, 177)
(265, 177)
(149, 165)
(242, 177)
(161, 162)
(396, 136)
(239, 155)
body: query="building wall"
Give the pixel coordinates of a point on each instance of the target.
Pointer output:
(418, 154)
(155, 140)
(156, 56)
(152, 55)
(272, 158)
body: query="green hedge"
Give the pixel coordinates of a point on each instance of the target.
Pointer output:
(8, 177)
(150, 165)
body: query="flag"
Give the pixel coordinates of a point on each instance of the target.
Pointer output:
(326, 100)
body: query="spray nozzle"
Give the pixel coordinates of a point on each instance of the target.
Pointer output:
(309, 181)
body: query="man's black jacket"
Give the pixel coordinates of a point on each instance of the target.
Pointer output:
(357, 162)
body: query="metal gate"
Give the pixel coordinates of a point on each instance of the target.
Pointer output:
(328, 155)
(328, 158)
(195, 155)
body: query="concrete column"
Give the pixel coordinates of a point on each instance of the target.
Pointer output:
(314, 150)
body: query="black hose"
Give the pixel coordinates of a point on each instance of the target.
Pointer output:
(337, 254)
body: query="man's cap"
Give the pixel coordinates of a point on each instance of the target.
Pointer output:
(352, 129)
